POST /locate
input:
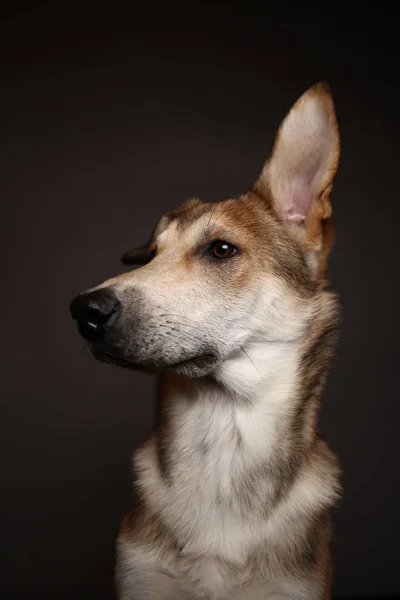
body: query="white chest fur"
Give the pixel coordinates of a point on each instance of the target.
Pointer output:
(217, 439)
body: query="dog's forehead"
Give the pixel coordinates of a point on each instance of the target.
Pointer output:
(190, 219)
(182, 233)
(196, 219)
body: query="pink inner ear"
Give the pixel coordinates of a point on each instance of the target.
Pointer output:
(297, 196)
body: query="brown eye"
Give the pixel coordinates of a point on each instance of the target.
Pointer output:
(221, 249)
(153, 252)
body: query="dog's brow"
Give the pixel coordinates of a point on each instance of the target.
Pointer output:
(211, 215)
(210, 229)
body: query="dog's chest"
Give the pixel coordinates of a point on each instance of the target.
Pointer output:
(208, 499)
(216, 443)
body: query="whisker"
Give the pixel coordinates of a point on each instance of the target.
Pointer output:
(211, 215)
(172, 335)
(243, 350)
(194, 327)
(176, 322)
(171, 315)
(225, 210)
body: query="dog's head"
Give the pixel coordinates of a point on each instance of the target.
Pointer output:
(215, 278)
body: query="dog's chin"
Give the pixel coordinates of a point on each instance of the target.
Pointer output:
(194, 366)
(197, 366)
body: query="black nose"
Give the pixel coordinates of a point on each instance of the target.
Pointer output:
(93, 311)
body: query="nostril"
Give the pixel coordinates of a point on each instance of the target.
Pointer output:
(93, 310)
(99, 314)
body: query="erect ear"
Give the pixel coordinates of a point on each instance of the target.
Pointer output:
(298, 177)
(141, 255)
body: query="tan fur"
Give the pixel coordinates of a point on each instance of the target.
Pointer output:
(233, 487)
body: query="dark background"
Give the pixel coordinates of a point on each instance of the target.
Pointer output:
(109, 118)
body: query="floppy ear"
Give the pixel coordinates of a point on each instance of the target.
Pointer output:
(143, 254)
(137, 256)
(298, 177)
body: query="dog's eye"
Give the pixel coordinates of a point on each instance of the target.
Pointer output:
(153, 252)
(222, 249)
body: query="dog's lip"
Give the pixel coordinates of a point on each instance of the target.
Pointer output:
(101, 354)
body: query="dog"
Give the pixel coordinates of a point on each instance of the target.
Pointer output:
(234, 486)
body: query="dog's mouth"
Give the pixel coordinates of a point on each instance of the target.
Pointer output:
(107, 357)
(197, 363)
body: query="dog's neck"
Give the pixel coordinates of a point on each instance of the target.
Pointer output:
(266, 396)
(232, 448)
(260, 370)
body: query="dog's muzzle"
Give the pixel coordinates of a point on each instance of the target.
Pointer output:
(136, 342)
